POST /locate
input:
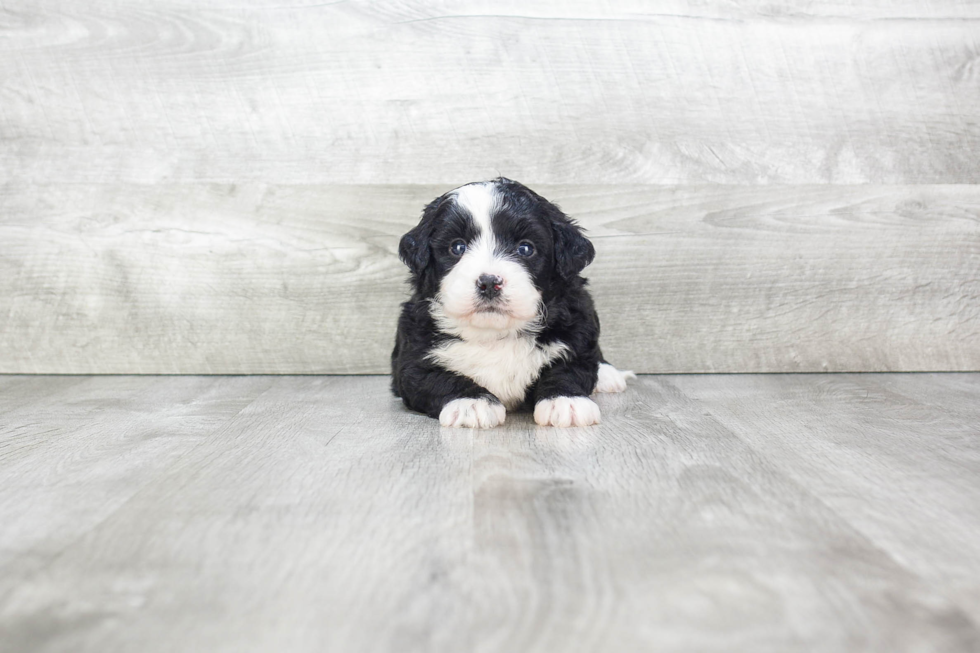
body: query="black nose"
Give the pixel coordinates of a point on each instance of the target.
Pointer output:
(489, 285)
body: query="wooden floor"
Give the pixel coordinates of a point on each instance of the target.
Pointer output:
(707, 513)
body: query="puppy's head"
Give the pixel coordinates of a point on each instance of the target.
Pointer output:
(486, 254)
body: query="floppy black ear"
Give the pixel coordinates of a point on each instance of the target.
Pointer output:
(573, 251)
(414, 249)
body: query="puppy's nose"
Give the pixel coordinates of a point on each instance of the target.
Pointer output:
(489, 285)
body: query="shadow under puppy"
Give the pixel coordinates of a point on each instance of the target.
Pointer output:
(499, 317)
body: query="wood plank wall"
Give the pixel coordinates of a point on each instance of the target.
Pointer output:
(193, 186)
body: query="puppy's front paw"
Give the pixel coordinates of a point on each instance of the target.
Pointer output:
(611, 379)
(472, 413)
(566, 411)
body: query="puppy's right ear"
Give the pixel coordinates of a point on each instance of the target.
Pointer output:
(414, 249)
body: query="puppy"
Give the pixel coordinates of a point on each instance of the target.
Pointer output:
(499, 317)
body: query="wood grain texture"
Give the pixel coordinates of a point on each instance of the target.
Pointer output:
(78, 448)
(314, 513)
(201, 278)
(437, 93)
(204, 187)
(868, 464)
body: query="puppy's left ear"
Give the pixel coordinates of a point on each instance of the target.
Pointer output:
(573, 251)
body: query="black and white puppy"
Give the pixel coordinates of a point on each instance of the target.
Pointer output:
(499, 317)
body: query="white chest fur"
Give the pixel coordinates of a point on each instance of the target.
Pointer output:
(505, 367)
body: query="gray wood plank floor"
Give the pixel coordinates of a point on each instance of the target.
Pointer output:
(706, 513)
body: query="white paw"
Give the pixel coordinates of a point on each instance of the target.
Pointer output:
(566, 411)
(472, 413)
(611, 379)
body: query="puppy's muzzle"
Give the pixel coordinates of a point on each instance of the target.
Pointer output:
(488, 286)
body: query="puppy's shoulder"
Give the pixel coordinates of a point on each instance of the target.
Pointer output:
(573, 307)
(572, 320)
(415, 314)
(418, 332)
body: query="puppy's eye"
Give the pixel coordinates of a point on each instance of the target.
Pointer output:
(457, 248)
(525, 249)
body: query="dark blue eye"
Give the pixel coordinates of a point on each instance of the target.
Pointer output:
(457, 248)
(525, 249)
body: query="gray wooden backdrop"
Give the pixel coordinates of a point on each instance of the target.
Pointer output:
(205, 186)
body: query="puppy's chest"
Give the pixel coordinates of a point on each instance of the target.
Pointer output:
(504, 367)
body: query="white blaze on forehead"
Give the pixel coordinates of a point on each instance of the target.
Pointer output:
(480, 201)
